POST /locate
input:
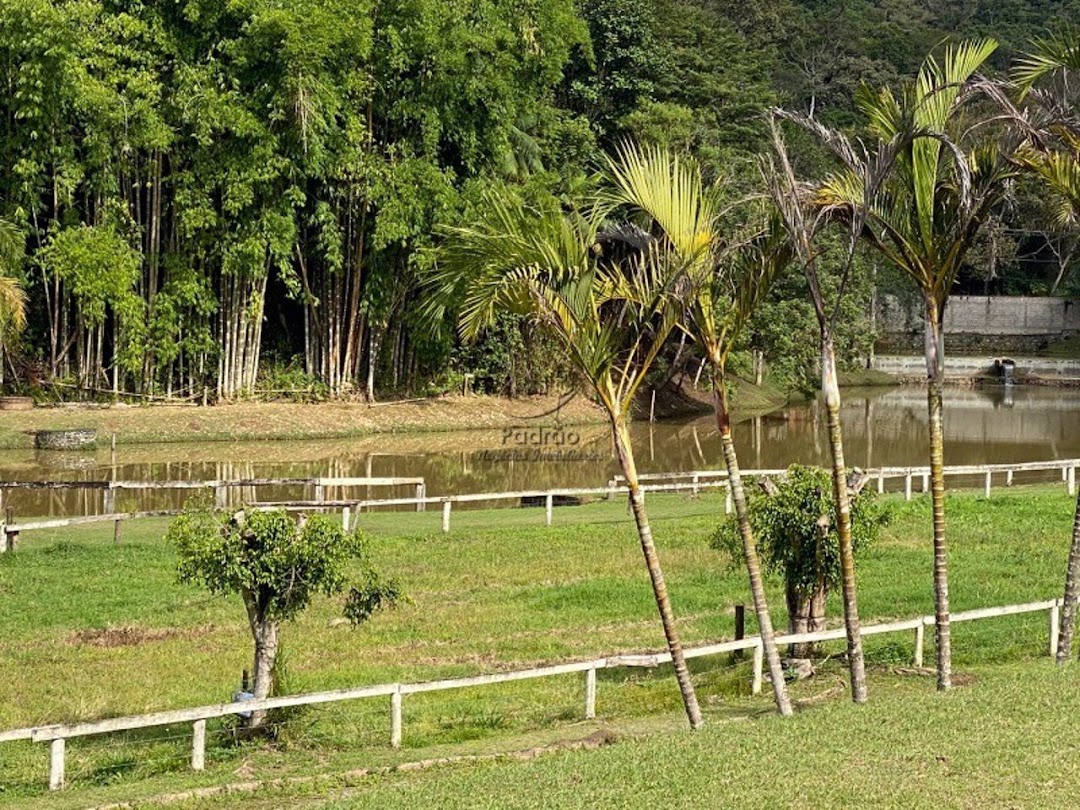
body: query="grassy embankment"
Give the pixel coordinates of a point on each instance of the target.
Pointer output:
(247, 421)
(94, 630)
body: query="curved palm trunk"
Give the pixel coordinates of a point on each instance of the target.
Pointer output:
(1072, 591)
(831, 389)
(935, 369)
(656, 574)
(753, 564)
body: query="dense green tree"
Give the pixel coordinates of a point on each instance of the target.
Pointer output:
(277, 565)
(288, 164)
(799, 540)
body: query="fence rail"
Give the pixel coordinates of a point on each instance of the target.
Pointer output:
(1067, 467)
(10, 530)
(692, 481)
(57, 734)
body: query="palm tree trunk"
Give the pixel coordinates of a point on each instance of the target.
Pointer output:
(753, 564)
(652, 562)
(831, 389)
(935, 368)
(1072, 590)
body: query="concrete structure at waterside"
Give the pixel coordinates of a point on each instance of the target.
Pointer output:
(1008, 323)
(980, 332)
(972, 368)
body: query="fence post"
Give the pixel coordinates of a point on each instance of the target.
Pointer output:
(926, 482)
(696, 488)
(320, 491)
(590, 693)
(395, 718)
(549, 505)
(920, 633)
(740, 629)
(1009, 478)
(907, 486)
(198, 745)
(345, 520)
(110, 500)
(1055, 627)
(759, 662)
(219, 496)
(989, 477)
(116, 531)
(421, 493)
(1071, 481)
(11, 536)
(729, 505)
(446, 515)
(880, 483)
(56, 764)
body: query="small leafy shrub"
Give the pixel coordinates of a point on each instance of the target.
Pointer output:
(791, 545)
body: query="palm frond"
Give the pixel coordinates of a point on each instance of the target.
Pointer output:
(13, 305)
(1058, 51)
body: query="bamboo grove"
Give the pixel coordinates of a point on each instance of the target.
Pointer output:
(197, 195)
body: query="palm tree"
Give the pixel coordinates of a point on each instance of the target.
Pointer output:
(1051, 125)
(12, 295)
(795, 203)
(923, 219)
(681, 230)
(612, 318)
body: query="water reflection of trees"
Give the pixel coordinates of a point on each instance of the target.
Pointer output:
(885, 427)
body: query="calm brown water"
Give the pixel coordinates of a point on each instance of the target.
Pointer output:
(882, 427)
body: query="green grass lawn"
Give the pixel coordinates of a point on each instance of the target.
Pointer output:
(502, 592)
(1009, 741)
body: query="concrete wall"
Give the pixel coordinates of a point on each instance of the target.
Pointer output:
(966, 368)
(990, 315)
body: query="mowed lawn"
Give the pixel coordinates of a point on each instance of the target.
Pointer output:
(91, 629)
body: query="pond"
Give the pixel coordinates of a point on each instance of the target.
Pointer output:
(882, 427)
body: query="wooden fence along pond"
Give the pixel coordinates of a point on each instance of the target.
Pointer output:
(57, 735)
(692, 482)
(10, 530)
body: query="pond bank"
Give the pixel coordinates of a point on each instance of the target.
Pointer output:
(280, 421)
(277, 421)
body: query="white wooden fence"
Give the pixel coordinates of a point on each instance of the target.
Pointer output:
(219, 487)
(1004, 473)
(10, 530)
(692, 481)
(57, 735)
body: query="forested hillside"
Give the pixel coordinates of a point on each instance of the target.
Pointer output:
(201, 195)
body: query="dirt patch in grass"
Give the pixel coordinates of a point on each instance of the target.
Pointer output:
(131, 635)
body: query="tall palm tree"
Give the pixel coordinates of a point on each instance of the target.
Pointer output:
(942, 185)
(795, 203)
(612, 318)
(12, 296)
(682, 231)
(1051, 124)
